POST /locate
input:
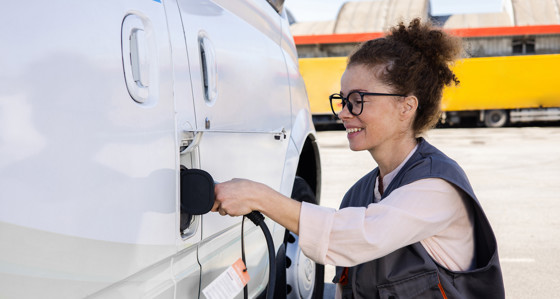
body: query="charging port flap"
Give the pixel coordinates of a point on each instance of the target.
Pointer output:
(197, 191)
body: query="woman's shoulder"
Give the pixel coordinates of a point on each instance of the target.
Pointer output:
(361, 193)
(366, 181)
(433, 163)
(431, 159)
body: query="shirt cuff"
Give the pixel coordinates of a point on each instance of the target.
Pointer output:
(315, 223)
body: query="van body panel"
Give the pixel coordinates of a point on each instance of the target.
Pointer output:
(88, 174)
(301, 119)
(231, 113)
(98, 101)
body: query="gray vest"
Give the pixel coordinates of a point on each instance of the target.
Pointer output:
(410, 272)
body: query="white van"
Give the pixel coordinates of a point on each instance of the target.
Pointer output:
(103, 102)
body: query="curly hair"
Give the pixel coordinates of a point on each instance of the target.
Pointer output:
(416, 61)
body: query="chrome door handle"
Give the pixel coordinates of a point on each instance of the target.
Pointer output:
(138, 58)
(209, 69)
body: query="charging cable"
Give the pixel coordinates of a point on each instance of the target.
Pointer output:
(197, 198)
(245, 289)
(258, 219)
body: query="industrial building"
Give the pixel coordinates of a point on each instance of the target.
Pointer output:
(523, 27)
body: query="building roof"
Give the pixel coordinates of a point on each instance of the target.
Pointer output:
(534, 12)
(481, 20)
(377, 16)
(366, 16)
(312, 28)
(514, 13)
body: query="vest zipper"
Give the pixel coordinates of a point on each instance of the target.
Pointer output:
(441, 288)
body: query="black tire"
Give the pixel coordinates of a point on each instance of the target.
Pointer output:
(495, 118)
(304, 277)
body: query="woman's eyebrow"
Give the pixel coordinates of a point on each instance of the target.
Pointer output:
(353, 90)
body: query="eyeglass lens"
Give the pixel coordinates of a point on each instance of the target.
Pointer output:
(354, 101)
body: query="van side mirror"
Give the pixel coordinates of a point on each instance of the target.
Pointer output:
(197, 191)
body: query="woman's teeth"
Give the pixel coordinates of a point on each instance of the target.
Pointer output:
(353, 130)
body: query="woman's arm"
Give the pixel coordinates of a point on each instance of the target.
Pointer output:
(240, 197)
(412, 213)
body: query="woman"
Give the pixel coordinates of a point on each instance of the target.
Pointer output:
(411, 228)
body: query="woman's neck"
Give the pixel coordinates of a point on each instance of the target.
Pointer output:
(392, 153)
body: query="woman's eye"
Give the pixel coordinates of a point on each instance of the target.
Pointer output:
(356, 101)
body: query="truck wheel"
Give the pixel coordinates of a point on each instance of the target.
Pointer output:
(495, 118)
(304, 277)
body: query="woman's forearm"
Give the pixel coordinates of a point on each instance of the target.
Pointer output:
(282, 210)
(239, 197)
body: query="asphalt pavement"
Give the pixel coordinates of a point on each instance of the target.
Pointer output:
(515, 173)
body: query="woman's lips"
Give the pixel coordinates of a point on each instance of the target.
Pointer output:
(353, 130)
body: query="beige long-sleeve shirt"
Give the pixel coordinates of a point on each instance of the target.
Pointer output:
(430, 211)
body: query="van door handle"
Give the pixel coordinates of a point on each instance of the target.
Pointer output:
(138, 60)
(209, 69)
(138, 57)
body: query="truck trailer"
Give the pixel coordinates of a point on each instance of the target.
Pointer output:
(496, 91)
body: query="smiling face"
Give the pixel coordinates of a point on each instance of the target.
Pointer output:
(384, 121)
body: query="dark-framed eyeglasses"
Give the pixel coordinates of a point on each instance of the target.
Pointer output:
(354, 100)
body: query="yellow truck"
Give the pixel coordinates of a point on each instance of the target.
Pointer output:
(496, 91)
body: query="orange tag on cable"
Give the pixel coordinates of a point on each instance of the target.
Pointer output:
(229, 283)
(241, 271)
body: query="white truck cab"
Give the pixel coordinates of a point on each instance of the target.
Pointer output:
(101, 105)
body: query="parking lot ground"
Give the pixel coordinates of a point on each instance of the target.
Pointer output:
(515, 173)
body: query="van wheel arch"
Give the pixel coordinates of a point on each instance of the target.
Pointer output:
(306, 188)
(304, 277)
(309, 166)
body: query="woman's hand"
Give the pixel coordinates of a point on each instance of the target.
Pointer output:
(240, 197)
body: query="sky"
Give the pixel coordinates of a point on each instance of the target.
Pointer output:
(324, 10)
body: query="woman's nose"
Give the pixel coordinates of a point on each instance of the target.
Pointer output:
(345, 113)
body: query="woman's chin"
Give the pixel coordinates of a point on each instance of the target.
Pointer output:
(356, 147)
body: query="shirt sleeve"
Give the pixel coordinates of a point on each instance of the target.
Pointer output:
(355, 235)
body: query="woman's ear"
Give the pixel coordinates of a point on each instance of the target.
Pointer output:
(409, 106)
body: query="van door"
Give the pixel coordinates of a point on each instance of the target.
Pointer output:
(186, 270)
(88, 171)
(242, 103)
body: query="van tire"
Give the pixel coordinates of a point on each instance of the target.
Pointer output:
(301, 282)
(495, 118)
